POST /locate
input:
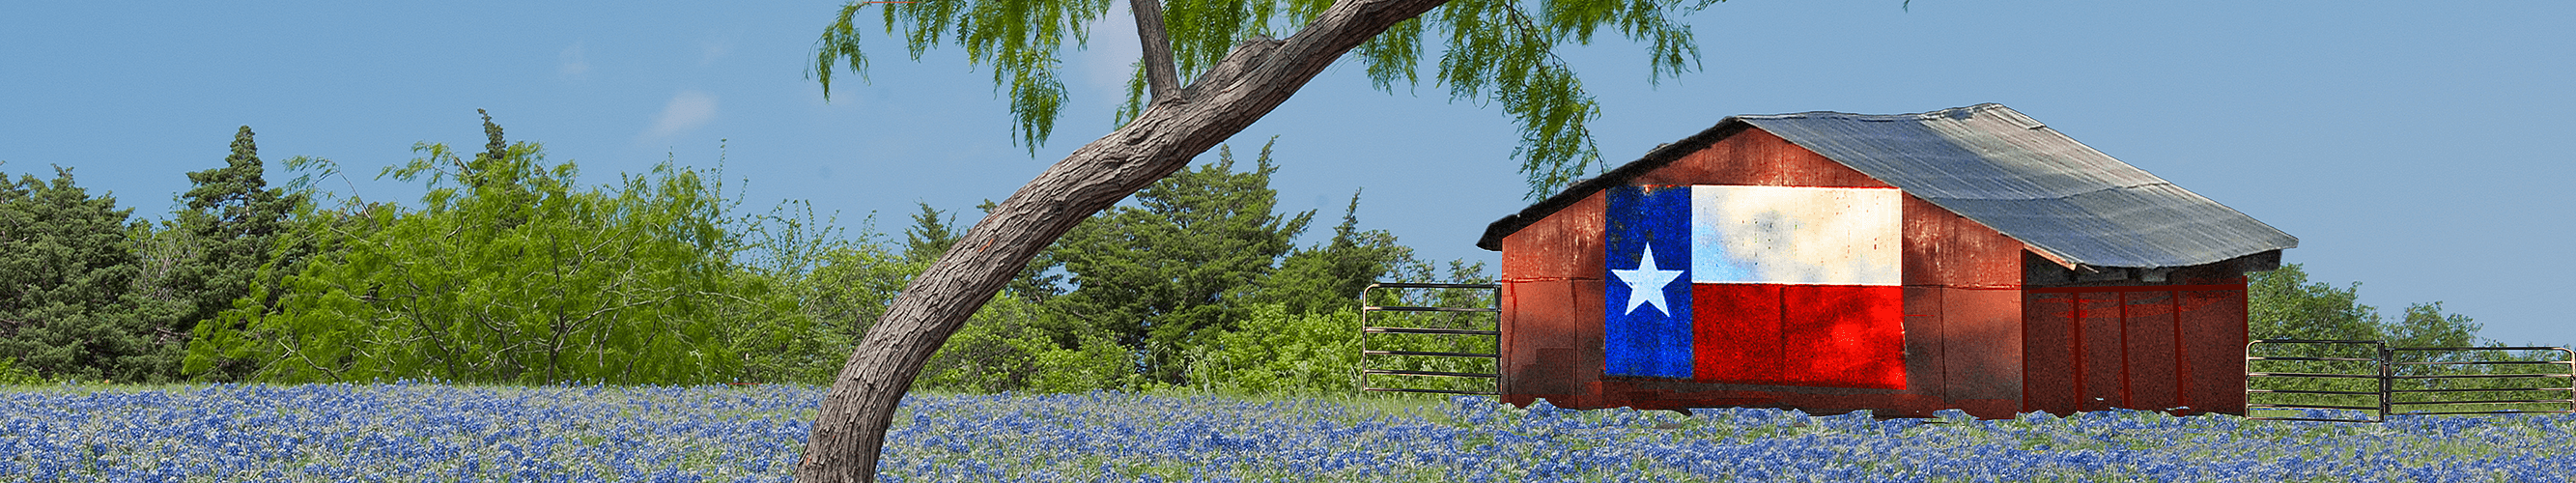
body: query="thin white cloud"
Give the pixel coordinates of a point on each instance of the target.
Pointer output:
(686, 111)
(710, 50)
(572, 64)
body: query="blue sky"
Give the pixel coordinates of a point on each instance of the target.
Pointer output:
(2420, 147)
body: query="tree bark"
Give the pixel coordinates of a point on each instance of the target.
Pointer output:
(849, 433)
(1160, 78)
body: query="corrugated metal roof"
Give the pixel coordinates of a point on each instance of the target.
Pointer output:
(2003, 169)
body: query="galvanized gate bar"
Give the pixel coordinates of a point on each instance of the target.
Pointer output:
(1412, 330)
(2307, 374)
(1427, 353)
(1366, 329)
(2490, 389)
(1429, 285)
(1432, 391)
(1391, 308)
(1399, 372)
(2566, 368)
(2302, 391)
(2379, 412)
(2386, 368)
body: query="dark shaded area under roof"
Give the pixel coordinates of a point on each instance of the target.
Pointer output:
(1999, 167)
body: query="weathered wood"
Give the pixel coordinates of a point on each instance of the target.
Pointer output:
(849, 432)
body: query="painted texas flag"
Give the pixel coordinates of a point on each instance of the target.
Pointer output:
(1755, 284)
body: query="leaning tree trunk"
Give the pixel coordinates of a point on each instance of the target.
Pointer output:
(1253, 79)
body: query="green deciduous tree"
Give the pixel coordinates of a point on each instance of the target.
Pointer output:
(839, 284)
(70, 307)
(1211, 70)
(2283, 304)
(1276, 351)
(1007, 346)
(511, 274)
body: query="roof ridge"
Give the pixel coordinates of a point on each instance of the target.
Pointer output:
(1941, 113)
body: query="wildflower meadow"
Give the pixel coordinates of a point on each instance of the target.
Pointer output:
(421, 432)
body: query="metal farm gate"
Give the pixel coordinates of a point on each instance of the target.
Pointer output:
(2369, 376)
(1435, 341)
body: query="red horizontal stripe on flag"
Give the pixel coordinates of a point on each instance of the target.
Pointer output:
(1843, 335)
(1735, 333)
(1800, 335)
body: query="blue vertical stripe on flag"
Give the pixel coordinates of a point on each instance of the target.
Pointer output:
(1643, 334)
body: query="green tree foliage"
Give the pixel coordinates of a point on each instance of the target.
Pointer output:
(2283, 304)
(1277, 351)
(12, 375)
(1497, 50)
(513, 275)
(839, 285)
(851, 289)
(929, 235)
(1167, 273)
(1005, 347)
(1018, 341)
(69, 304)
(1501, 51)
(228, 230)
(235, 215)
(1328, 277)
(1201, 256)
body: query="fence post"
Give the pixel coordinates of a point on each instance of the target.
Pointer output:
(2387, 374)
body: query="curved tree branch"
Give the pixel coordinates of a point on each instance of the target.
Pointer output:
(1256, 77)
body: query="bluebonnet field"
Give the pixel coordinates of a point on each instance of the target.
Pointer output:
(428, 432)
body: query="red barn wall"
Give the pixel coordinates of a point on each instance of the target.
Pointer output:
(1962, 305)
(1967, 279)
(1551, 302)
(2179, 343)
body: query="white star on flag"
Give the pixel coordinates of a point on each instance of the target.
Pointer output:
(1646, 283)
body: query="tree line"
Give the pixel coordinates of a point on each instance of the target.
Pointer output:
(508, 270)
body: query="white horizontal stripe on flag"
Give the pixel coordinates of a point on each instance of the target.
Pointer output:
(1796, 235)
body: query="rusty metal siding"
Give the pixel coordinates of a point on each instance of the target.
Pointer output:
(2213, 360)
(1982, 330)
(1927, 342)
(2100, 353)
(1964, 309)
(1551, 320)
(2147, 346)
(2049, 363)
(2153, 354)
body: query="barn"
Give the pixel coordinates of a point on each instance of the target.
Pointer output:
(1968, 258)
